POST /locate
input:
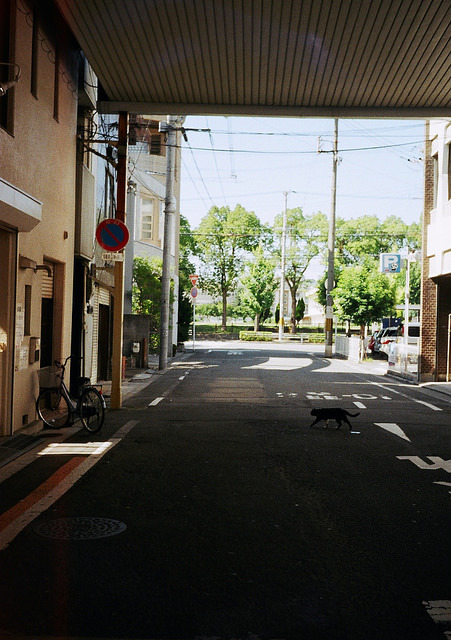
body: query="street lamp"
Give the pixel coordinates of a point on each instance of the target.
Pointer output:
(282, 274)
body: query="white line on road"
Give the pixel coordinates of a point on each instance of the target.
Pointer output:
(155, 402)
(404, 395)
(428, 404)
(440, 612)
(360, 405)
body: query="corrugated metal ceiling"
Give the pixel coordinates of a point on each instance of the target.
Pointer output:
(332, 58)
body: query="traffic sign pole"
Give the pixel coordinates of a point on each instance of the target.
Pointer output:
(194, 324)
(118, 310)
(194, 293)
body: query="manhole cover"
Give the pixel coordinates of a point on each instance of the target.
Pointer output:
(80, 528)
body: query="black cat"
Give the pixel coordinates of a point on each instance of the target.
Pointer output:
(333, 413)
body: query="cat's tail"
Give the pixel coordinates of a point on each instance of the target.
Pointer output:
(352, 415)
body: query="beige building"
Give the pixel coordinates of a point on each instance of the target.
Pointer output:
(38, 118)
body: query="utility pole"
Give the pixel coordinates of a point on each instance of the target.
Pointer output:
(331, 252)
(282, 275)
(118, 311)
(170, 128)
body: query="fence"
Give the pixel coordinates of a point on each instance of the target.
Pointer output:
(403, 360)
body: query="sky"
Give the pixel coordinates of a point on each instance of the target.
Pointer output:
(252, 161)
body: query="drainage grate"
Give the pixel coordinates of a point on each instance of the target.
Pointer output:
(80, 528)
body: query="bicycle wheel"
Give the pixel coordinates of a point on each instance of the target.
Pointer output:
(53, 408)
(91, 409)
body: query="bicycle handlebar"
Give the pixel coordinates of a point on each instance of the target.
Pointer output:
(62, 365)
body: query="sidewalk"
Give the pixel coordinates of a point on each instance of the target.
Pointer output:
(137, 379)
(14, 446)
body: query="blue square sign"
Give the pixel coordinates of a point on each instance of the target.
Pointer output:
(390, 262)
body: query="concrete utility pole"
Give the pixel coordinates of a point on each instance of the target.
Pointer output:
(118, 311)
(282, 274)
(331, 253)
(170, 128)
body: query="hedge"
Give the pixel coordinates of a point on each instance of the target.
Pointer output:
(266, 336)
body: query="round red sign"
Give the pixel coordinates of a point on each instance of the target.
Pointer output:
(112, 234)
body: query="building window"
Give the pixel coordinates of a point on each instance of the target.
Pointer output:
(147, 207)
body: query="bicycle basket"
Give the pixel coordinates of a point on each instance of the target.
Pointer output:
(49, 377)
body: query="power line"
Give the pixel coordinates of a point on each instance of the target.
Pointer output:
(299, 152)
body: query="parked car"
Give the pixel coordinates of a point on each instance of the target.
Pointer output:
(390, 334)
(372, 341)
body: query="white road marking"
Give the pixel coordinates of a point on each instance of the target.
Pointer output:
(440, 612)
(320, 395)
(436, 463)
(364, 396)
(404, 395)
(393, 428)
(360, 405)
(428, 404)
(155, 402)
(182, 378)
(282, 364)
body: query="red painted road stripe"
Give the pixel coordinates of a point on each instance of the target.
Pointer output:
(13, 521)
(46, 487)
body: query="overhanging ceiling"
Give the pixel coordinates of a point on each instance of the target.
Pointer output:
(331, 58)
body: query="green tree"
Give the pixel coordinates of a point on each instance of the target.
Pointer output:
(364, 295)
(259, 284)
(188, 249)
(367, 236)
(146, 292)
(306, 239)
(362, 239)
(225, 238)
(300, 310)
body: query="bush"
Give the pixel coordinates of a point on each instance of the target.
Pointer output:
(260, 336)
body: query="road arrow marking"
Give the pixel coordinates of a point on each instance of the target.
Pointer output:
(393, 428)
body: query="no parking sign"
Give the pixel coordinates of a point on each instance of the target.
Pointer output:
(112, 234)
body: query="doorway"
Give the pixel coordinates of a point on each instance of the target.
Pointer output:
(103, 353)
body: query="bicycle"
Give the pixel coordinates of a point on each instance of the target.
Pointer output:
(57, 408)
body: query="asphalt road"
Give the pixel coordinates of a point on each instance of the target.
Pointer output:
(208, 508)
